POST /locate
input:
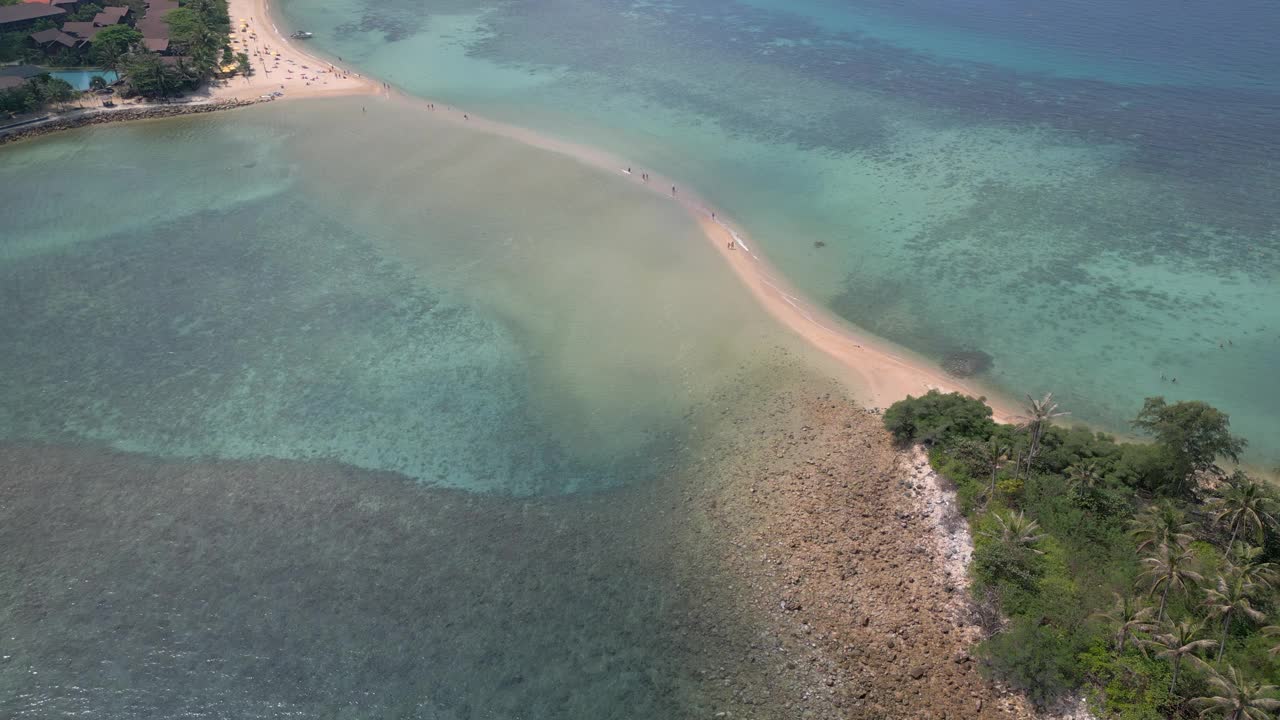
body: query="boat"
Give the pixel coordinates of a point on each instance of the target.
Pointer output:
(301, 35)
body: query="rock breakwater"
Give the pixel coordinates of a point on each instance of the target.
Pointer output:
(128, 113)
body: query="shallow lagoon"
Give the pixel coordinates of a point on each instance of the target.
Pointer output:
(455, 307)
(1081, 192)
(335, 413)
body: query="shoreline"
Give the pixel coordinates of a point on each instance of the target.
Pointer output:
(282, 66)
(125, 113)
(879, 372)
(851, 551)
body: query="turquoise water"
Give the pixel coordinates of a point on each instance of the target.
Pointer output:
(404, 425)
(256, 294)
(80, 79)
(1084, 192)
(321, 410)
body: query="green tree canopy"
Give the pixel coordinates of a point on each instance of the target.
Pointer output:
(185, 24)
(1194, 434)
(112, 43)
(934, 417)
(148, 76)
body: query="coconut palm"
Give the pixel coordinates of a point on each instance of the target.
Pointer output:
(1244, 507)
(1230, 598)
(1179, 642)
(1085, 475)
(1159, 524)
(993, 455)
(1247, 560)
(1016, 530)
(1129, 618)
(1040, 412)
(1170, 567)
(1272, 631)
(1238, 698)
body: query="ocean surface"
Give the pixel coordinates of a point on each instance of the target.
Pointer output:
(397, 425)
(339, 409)
(1085, 191)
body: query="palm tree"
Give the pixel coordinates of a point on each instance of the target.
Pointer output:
(993, 455)
(1041, 412)
(1238, 698)
(1272, 631)
(1180, 642)
(1247, 560)
(1084, 475)
(1130, 617)
(1244, 507)
(1016, 531)
(1170, 568)
(1230, 598)
(1159, 524)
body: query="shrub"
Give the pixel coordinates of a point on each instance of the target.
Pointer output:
(1129, 686)
(935, 417)
(1033, 658)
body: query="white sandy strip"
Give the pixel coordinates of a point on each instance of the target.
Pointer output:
(281, 65)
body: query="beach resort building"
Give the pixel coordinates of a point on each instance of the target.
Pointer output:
(21, 17)
(78, 35)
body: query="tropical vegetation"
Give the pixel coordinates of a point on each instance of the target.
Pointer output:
(35, 94)
(1141, 574)
(199, 46)
(198, 34)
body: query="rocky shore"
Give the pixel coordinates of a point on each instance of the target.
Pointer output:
(99, 116)
(852, 554)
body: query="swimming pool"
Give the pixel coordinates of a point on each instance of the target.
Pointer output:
(79, 79)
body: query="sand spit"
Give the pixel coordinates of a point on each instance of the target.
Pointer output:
(880, 372)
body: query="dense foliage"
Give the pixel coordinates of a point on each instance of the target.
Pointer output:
(199, 34)
(199, 39)
(1142, 573)
(35, 94)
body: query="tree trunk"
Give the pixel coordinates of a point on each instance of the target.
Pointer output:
(1035, 446)
(1226, 623)
(1235, 528)
(1177, 665)
(1164, 596)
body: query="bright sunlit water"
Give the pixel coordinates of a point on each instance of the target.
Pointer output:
(1084, 190)
(411, 410)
